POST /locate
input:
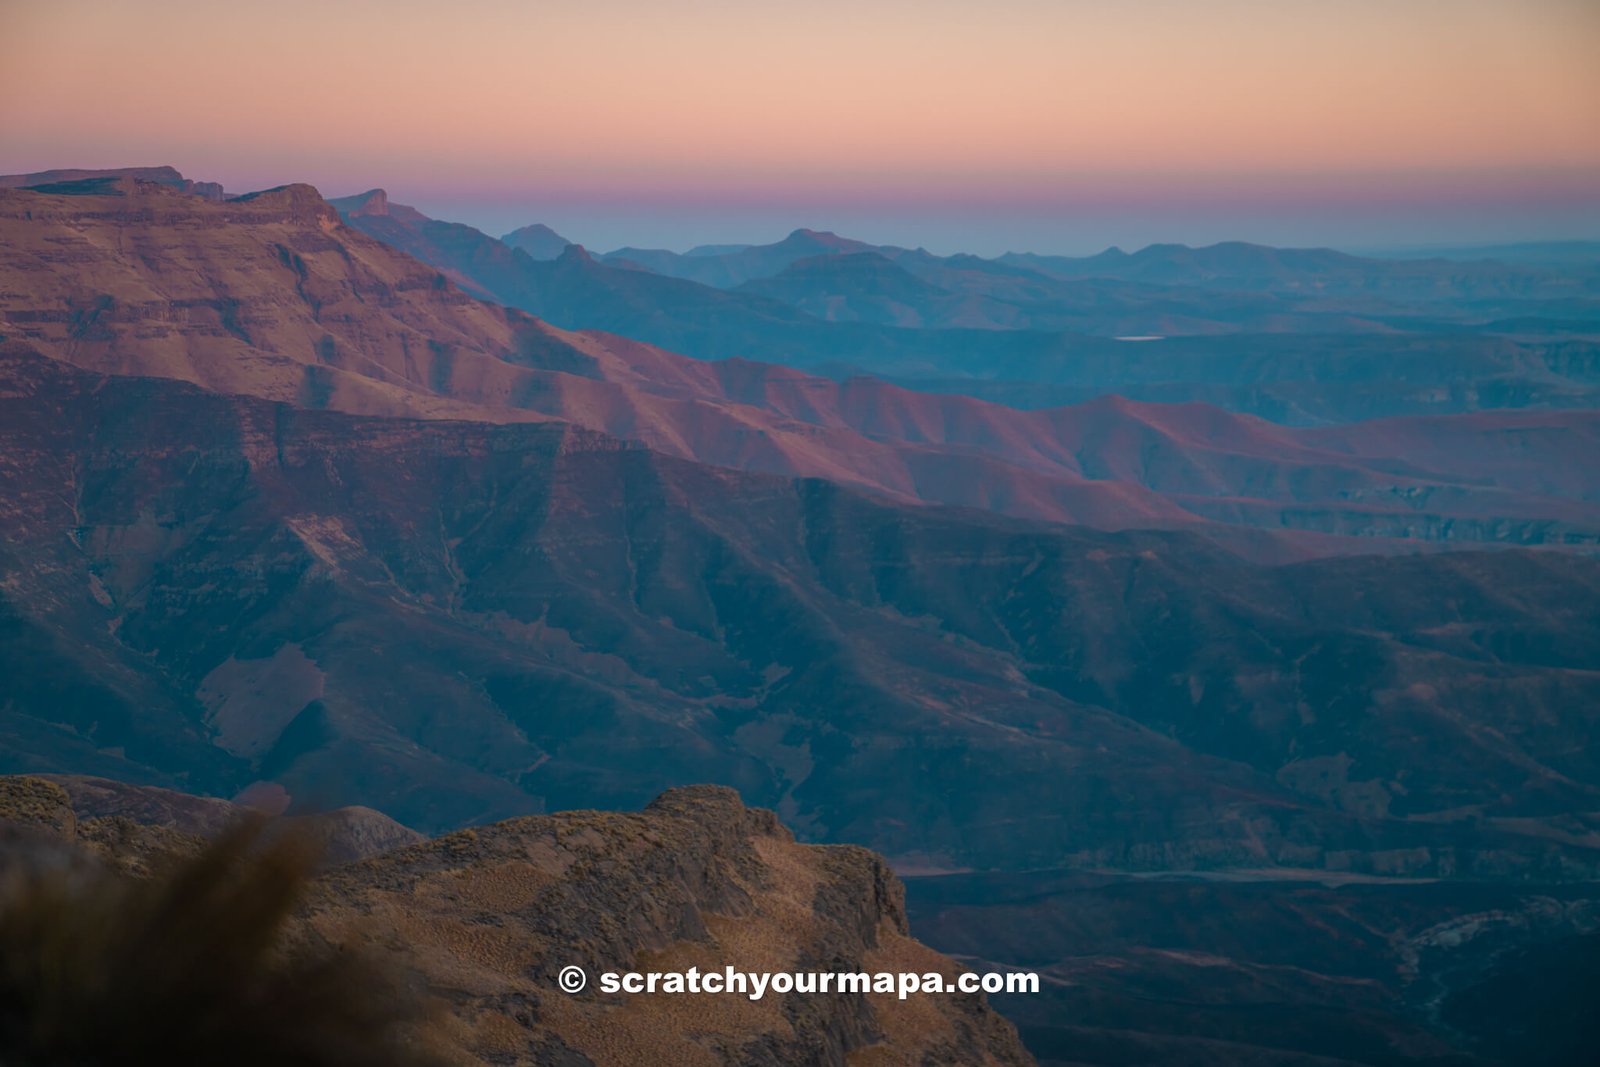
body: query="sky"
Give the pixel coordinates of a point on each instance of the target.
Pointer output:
(1043, 125)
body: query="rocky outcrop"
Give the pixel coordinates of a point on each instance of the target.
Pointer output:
(123, 819)
(491, 915)
(37, 803)
(486, 918)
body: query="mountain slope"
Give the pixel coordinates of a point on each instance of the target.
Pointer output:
(867, 287)
(266, 295)
(1276, 968)
(459, 621)
(403, 568)
(1028, 339)
(271, 296)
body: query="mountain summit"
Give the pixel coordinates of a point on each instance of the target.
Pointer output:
(538, 240)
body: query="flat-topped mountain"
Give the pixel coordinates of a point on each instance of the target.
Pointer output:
(268, 295)
(167, 176)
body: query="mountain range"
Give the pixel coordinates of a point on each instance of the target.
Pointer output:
(272, 297)
(295, 508)
(1312, 347)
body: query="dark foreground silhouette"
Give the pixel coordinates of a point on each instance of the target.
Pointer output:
(197, 964)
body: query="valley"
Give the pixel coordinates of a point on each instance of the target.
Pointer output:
(1267, 740)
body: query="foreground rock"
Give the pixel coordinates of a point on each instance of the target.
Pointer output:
(487, 918)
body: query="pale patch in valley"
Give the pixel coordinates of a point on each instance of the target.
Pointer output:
(250, 702)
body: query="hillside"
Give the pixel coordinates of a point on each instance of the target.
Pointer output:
(272, 296)
(1301, 338)
(1170, 708)
(487, 918)
(455, 621)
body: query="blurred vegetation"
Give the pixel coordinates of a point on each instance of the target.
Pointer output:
(200, 963)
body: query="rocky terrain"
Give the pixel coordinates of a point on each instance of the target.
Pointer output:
(1165, 701)
(273, 296)
(484, 919)
(133, 825)
(452, 622)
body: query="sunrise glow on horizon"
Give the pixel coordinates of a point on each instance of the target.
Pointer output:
(1469, 119)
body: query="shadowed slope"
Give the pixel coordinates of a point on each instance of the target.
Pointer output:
(464, 621)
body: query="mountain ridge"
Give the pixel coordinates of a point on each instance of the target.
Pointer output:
(272, 295)
(1027, 339)
(293, 514)
(558, 570)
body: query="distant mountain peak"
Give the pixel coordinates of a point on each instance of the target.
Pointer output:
(717, 250)
(375, 204)
(537, 229)
(371, 202)
(295, 200)
(293, 193)
(575, 253)
(825, 238)
(538, 241)
(845, 263)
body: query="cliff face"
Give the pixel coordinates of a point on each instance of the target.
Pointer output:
(486, 918)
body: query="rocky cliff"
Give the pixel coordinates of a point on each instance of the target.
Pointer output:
(485, 919)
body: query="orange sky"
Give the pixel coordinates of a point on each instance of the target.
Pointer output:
(1011, 102)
